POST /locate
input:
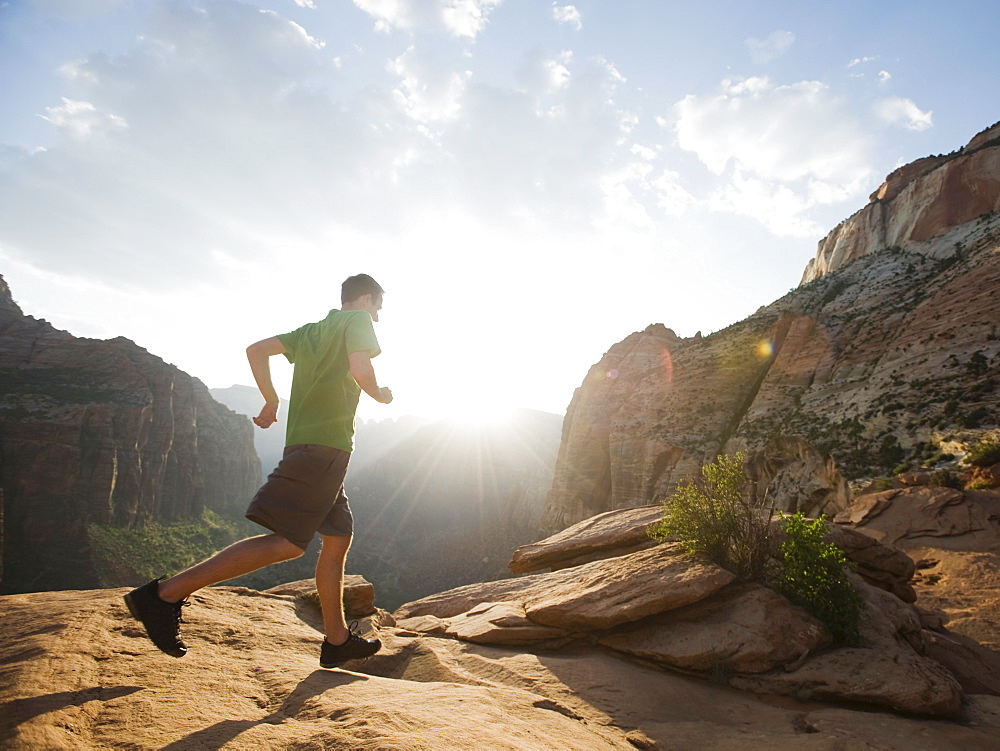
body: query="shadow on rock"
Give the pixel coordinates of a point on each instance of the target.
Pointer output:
(309, 687)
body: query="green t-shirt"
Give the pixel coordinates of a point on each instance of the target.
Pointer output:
(324, 394)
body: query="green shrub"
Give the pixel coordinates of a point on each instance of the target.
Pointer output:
(945, 478)
(882, 483)
(985, 453)
(813, 573)
(720, 516)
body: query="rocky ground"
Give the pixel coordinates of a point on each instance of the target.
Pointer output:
(553, 659)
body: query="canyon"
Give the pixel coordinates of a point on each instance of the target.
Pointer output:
(889, 346)
(102, 434)
(858, 395)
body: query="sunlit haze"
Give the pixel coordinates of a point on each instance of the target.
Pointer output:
(530, 181)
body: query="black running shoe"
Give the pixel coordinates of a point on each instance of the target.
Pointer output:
(161, 619)
(355, 648)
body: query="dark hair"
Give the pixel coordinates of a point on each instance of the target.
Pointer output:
(358, 285)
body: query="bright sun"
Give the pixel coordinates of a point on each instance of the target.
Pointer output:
(482, 412)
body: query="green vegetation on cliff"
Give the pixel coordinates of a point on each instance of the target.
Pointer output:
(722, 517)
(124, 557)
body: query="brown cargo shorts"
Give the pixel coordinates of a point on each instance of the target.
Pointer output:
(305, 495)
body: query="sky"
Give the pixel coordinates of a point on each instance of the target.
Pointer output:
(530, 181)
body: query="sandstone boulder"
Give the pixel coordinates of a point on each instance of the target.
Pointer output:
(596, 595)
(975, 667)
(607, 593)
(609, 534)
(963, 585)
(743, 629)
(929, 516)
(886, 670)
(462, 599)
(879, 564)
(499, 623)
(359, 594)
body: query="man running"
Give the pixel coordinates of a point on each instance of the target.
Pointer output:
(305, 493)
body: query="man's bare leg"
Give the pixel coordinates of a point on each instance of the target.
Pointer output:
(330, 586)
(239, 558)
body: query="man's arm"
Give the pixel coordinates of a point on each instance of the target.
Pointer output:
(363, 372)
(259, 355)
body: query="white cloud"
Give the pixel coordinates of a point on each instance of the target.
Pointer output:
(884, 76)
(775, 45)
(539, 74)
(899, 110)
(428, 91)
(81, 120)
(859, 61)
(306, 4)
(567, 14)
(227, 135)
(202, 136)
(466, 18)
(795, 145)
(538, 155)
(778, 207)
(461, 18)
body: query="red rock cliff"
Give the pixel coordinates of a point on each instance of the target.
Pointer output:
(104, 432)
(846, 376)
(926, 206)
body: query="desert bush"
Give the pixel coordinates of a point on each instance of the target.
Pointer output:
(945, 478)
(721, 516)
(882, 483)
(985, 453)
(813, 573)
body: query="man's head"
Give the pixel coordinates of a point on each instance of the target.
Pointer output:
(361, 292)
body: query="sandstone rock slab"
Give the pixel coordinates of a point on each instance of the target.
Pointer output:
(912, 684)
(742, 629)
(604, 594)
(929, 516)
(592, 596)
(675, 710)
(975, 667)
(886, 670)
(881, 565)
(608, 534)
(78, 672)
(462, 599)
(499, 623)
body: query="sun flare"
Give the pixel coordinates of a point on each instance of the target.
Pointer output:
(483, 413)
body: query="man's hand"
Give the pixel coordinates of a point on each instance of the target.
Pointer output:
(268, 416)
(385, 394)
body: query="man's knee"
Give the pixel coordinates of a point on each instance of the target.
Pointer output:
(335, 543)
(286, 549)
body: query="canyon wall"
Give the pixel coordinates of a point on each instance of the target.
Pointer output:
(103, 432)
(856, 371)
(919, 206)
